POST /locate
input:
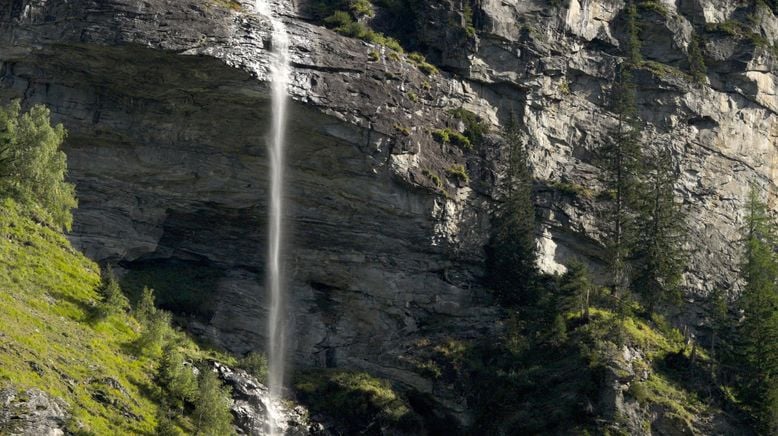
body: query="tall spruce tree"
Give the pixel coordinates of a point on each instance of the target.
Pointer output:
(757, 344)
(512, 252)
(621, 159)
(575, 289)
(660, 225)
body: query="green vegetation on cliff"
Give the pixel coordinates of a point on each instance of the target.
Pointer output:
(65, 328)
(50, 340)
(32, 168)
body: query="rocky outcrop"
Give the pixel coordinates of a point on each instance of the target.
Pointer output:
(32, 412)
(167, 106)
(250, 407)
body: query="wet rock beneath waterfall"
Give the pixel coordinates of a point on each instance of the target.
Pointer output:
(250, 407)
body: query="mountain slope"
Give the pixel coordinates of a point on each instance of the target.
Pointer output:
(49, 339)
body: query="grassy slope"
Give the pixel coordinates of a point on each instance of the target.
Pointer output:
(47, 292)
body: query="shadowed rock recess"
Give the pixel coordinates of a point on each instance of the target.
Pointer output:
(167, 105)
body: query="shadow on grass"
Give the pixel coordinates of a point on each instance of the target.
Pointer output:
(695, 376)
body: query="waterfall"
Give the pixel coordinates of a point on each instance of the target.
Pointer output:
(279, 76)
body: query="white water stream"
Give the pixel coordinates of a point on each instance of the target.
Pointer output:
(279, 79)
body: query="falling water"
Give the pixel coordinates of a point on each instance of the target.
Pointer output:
(279, 71)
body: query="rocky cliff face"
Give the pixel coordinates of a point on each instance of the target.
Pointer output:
(167, 106)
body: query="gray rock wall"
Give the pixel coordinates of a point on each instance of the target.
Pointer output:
(167, 106)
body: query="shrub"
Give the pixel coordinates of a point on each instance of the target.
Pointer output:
(697, 65)
(32, 166)
(156, 331)
(343, 23)
(421, 63)
(653, 5)
(448, 136)
(112, 298)
(475, 126)
(176, 377)
(362, 8)
(212, 407)
(359, 399)
(338, 19)
(166, 426)
(441, 135)
(145, 308)
(433, 177)
(458, 172)
(256, 365)
(573, 190)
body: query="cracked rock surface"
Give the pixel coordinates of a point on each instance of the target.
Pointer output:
(167, 104)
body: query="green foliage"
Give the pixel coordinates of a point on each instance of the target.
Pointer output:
(758, 332)
(362, 8)
(32, 167)
(575, 290)
(458, 172)
(374, 55)
(256, 365)
(343, 22)
(46, 304)
(421, 63)
(449, 136)
(166, 425)
(661, 231)
(212, 408)
(475, 126)
(653, 5)
(633, 34)
(697, 65)
(46, 316)
(434, 177)
(512, 253)
(663, 70)
(146, 306)
(359, 400)
(177, 377)
(621, 163)
(740, 31)
(113, 300)
(573, 190)
(156, 331)
(338, 19)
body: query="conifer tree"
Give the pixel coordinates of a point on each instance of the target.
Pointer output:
(512, 251)
(145, 309)
(758, 332)
(113, 299)
(575, 289)
(696, 60)
(658, 253)
(621, 159)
